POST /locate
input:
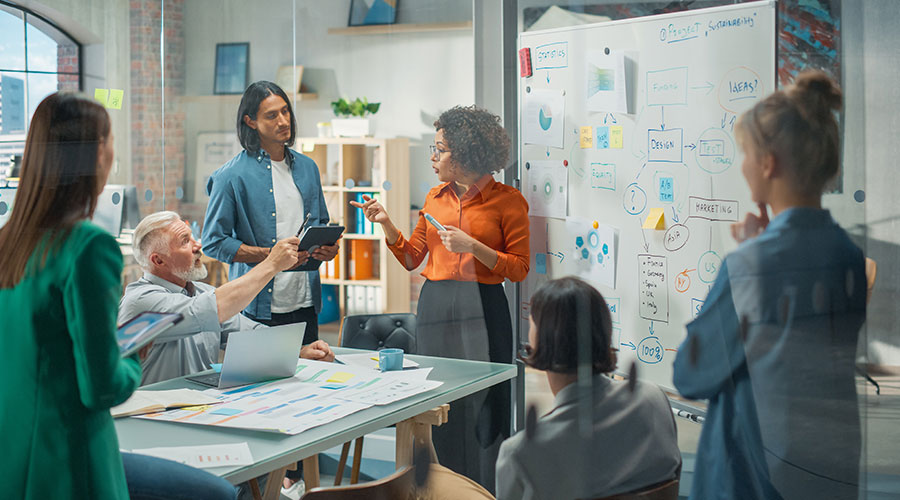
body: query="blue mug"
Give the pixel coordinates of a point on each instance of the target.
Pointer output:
(390, 359)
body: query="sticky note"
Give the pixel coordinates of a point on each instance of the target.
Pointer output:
(115, 98)
(102, 96)
(340, 377)
(666, 189)
(540, 263)
(656, 219)
(587, 137)
(616, 139)
(602, 138)
(225, 411)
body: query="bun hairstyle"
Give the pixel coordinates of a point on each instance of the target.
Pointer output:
(798, 126)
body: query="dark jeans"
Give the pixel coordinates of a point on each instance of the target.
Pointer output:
(151, 478)
(303, 315)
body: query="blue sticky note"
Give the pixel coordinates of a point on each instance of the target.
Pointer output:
(666, 189)
(225, 411)
(602, 141)
(217, 367)
(540, 263)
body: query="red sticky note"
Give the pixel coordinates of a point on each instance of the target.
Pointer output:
(525, 62)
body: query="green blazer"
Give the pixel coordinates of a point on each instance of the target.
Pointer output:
(61, 372)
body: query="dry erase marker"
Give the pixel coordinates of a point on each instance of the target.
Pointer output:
(434, 222)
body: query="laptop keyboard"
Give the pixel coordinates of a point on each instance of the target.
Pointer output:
(211, 379)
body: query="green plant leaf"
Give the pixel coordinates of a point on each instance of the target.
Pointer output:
(373, 107)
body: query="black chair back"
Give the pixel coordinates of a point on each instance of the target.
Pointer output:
(378, 331)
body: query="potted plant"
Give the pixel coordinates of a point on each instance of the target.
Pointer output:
(351, 121)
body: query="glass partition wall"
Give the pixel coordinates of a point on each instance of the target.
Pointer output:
(172, 73)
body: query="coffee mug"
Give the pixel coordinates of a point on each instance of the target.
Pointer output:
(390, 359)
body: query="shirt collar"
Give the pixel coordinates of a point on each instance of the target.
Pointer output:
(483, 186)
(569, 394)
(168, 285)
(800, 217)
(261, 155)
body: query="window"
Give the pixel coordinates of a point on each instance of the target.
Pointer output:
(36, 59)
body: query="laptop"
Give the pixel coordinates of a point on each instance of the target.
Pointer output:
(258, 355)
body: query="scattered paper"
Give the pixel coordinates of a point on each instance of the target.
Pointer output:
(594, 251)
(366, 360)
(204, 456)
(144, 401)
(544, 121)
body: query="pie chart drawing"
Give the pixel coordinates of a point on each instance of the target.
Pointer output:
(545, 117)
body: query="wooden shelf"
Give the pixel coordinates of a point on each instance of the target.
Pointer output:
(235, 99)
(388, 29)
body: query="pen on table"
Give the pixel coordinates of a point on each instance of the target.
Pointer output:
(690, 416)
(305, 221)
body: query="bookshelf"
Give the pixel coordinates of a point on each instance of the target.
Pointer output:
(367, 163)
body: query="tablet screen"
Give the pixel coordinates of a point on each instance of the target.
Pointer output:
(143, 328)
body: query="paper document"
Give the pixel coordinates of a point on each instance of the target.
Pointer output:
(370, 360)
(154, 401)
(204, 457)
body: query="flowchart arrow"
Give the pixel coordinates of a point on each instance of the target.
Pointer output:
(674, 216)
(609, 116)
(548, 77)
(662, 120)
(651, 328)
(559, 255)
(709, 86)
(724, 119)
(548, 152)
(732, 122)
(629, 344)
(646, 245)
(690, 146)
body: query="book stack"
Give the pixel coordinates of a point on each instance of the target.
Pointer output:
(363, 225)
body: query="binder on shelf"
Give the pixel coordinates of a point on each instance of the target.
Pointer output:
(360, 217)
(350, 302)
(359, 299)
(371, 292)
(361, 259)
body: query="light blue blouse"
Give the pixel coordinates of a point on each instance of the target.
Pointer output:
(773, 350)
(242, 209)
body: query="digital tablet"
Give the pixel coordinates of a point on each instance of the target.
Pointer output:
(141, 329)
(315, 236)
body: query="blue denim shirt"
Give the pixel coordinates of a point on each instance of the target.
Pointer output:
(242, 210)
(773, 351)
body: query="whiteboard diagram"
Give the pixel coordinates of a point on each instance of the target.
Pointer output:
(655, 179)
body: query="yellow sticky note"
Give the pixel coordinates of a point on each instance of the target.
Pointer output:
(586, 137)
(656, 219)
(102, 96)
(616, 137)
(340, 377)
(115, 98)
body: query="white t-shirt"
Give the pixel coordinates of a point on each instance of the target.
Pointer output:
(291, 290)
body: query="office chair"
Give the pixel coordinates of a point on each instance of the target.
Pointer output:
(373, 332)
(667, 490)
(399, 485)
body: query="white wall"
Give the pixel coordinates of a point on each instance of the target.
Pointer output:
(415, 76)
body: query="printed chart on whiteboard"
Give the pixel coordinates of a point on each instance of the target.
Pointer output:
(630, 166)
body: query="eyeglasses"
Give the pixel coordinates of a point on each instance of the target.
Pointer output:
(436, 152)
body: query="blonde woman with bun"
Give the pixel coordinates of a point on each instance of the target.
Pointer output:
(773, 348)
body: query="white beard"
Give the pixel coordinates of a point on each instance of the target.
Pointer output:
(195, 273)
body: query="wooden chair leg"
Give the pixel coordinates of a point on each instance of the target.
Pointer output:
(254, 489)
(404, 443)
(339, 475)
(273, 484)
(311, 472)
(357, 460)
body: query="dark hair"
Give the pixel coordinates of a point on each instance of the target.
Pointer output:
(255, 94)
(559, 308)
(59, 184)
(475, 138)
(798, 126)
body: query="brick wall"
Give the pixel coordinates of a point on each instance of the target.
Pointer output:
(67, 62)
(148, 140)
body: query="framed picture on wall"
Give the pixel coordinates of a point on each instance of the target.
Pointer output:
(366, 12)
(232, 68)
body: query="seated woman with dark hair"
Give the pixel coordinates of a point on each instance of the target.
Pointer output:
(630, 442)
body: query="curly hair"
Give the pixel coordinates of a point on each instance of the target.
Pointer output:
(476, 139)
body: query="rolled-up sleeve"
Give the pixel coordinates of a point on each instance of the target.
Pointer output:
(513, 260)
(410, 253)
(218, 224)
(200, 311)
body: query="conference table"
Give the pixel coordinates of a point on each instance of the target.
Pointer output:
(273, 452)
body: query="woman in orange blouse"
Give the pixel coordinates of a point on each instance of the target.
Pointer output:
(462, 310)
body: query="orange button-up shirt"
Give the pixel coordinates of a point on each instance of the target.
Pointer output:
(492, 213)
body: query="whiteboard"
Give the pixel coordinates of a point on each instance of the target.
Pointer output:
(626, 119)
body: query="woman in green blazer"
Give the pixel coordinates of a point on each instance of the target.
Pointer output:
(60, 281)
